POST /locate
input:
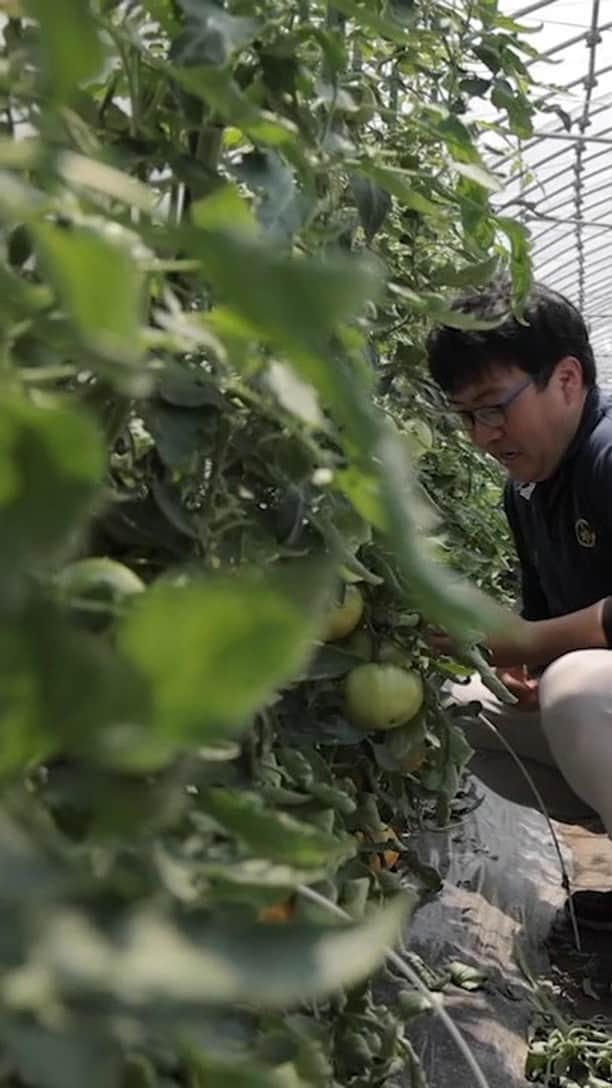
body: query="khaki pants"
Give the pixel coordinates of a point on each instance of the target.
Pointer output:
(566, 745)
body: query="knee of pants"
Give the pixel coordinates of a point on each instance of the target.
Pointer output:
(575, 693)
(577, 675)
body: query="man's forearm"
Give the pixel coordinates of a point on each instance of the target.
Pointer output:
(545, 640)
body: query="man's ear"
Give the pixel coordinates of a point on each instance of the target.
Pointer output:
(570, 377)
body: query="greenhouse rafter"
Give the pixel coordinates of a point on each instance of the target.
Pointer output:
(555, 180)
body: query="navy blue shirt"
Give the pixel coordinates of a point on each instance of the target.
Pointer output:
(562, 526)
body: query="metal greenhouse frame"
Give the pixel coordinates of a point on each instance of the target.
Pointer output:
(559, 182)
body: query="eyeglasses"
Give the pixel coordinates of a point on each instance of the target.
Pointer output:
(494, 415)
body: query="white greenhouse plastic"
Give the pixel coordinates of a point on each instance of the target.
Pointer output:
(559, 183)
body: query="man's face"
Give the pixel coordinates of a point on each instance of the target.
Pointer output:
(531, 433)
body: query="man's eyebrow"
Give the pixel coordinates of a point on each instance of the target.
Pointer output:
(490, 391)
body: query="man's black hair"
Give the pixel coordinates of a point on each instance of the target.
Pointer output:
(553, 329)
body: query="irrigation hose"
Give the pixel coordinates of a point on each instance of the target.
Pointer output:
(404, 969)
(565, 880)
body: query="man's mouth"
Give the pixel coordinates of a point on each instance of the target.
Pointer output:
(507, 457)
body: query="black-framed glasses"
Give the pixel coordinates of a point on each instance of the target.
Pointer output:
(493, 415)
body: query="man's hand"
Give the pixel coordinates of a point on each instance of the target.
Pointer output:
(521, 685)
(510, 650)
(534, 643)
(517, 647)
(439, 642)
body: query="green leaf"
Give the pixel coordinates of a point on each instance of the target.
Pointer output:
(332, 662)
(224, 209)
(488, 53)
(459, 748)
(260, 874)
(373, 204)
(400, 184)
(513, 64)
(139, 1072)
(217, 88)
(489, 11)
(402, 742)
(296, 303)
(21, 299)
(282, 209)
(474, 85)
(413, 1003)
(51, 465)
(271, 834)
(23, 737)
(431, 589)
(332, 45)
(475, 172)
(163, 13)
(517, 107)
(475, 213)
(61, 1058)
(23, 154)
(455, 135)
(181, 434)
(211, 35)
(467, 275)
(190, 387)
(366, 16)
(563, 115)
(70, 49)
(436, 306)
(405, 11)
(99, 284)
(215, 651)
(62, 689)
(362, 488)
(506, 22)
(30, 873)
(294, 395)
(102, 178)
(154, 963)
(216, 1073)
(520, 259)
(466, 977)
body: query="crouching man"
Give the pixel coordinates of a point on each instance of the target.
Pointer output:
(527, 394)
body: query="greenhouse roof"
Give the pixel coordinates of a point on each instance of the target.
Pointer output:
(561, 185)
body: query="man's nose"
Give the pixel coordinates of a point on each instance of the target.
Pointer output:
(485, 436)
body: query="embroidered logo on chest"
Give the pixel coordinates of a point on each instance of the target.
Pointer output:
(585, 535)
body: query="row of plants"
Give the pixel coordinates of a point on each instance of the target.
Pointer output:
(230, 500)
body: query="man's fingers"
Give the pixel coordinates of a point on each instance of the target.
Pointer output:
(438, 640)
(524, 688)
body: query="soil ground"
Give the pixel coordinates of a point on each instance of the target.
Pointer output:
(584, 978)
(501, 909)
